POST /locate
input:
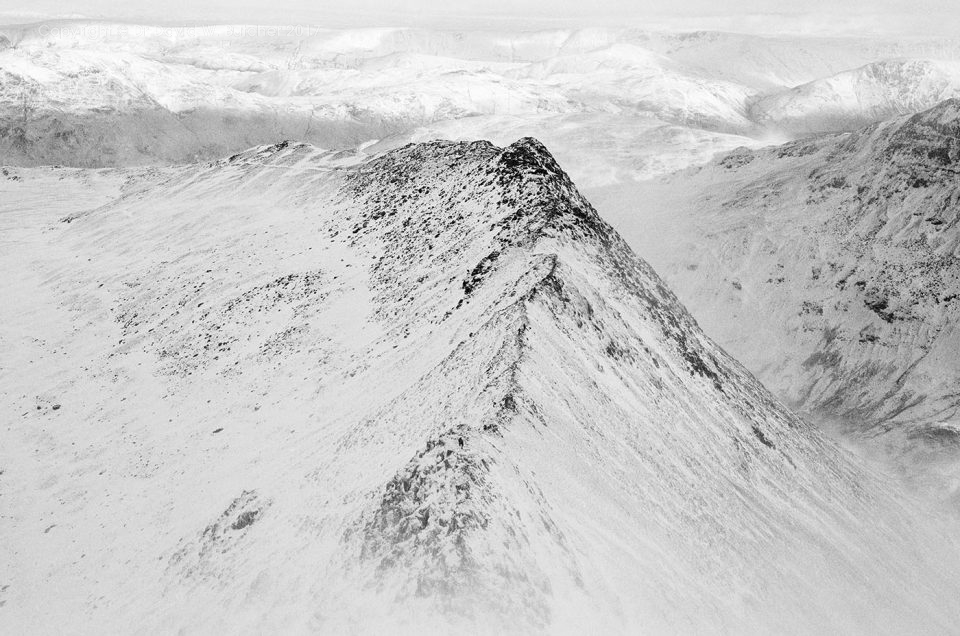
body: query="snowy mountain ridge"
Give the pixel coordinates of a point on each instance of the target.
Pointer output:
(325, 329)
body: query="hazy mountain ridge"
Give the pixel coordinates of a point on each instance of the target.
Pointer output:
(852, 99)
(615, 104)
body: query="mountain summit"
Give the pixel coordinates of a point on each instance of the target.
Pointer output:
(430, 391)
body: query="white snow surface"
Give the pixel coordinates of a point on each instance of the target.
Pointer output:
(233, 395)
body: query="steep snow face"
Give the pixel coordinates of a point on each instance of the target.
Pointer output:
(829, 267)
(237, 395)
(851, 99)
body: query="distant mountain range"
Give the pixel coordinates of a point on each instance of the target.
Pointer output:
(617, 105)
(852, 99)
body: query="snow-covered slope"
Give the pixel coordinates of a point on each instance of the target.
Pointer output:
(851, 99)
(829, 267)
(236, 393)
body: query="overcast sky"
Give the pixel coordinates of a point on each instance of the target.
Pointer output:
(934, 17)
